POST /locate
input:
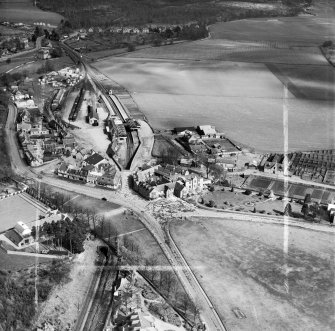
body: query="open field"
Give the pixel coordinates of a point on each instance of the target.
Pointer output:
(242, 265)
(15, 209)
(236, 80)
(245, 100)
(17, 262)
(25, 12)
(304, 30)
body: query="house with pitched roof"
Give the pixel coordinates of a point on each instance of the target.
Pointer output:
(95, 159)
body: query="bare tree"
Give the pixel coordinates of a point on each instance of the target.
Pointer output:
(184, 302)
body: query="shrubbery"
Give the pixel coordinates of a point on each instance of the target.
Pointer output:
(17, 296)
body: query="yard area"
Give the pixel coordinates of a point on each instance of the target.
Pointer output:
(243, 265)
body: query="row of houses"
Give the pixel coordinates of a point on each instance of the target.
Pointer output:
(136, 30)
(167, 181)
(93, 169)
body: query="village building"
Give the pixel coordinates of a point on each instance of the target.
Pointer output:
(206, 130)
(95, 159)
(117, 130)
(44, 53)
(159, 181)
(182, 131)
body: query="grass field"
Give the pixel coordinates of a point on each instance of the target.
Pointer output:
(243, 265)
(245, 100)
(25, 12)
(15, 209)
(17, 262)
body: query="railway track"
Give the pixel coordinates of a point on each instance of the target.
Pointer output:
(97, 314)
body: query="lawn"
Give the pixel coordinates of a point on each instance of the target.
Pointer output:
(15, 209)
(232, 200)
(243, 265)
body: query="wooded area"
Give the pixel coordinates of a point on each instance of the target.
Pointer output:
(5, 167)
(86, 13)
(18, 300)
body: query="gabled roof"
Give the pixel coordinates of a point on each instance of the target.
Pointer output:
(184, 128)
(13, 236)
(94, 159)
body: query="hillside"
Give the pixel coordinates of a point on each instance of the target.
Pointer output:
(85, 13)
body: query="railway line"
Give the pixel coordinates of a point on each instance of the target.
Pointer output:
(97, 314)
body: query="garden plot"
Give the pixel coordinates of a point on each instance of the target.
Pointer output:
(244, 266)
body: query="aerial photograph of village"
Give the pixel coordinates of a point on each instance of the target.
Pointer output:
(167, 165)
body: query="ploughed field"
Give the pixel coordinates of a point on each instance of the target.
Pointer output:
(243, 265)
(236, 80)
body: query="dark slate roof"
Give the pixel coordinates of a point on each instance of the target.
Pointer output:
(13, 236)
(94, 159)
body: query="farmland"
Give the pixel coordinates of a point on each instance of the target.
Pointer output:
(25, 12)
(245, 100)
(237, 78)
(242, 265)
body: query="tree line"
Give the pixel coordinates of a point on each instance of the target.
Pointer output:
(5, 166)
(64, 233)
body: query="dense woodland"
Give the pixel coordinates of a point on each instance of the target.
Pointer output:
(5, 168)
(68, 234)
(86, 13)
